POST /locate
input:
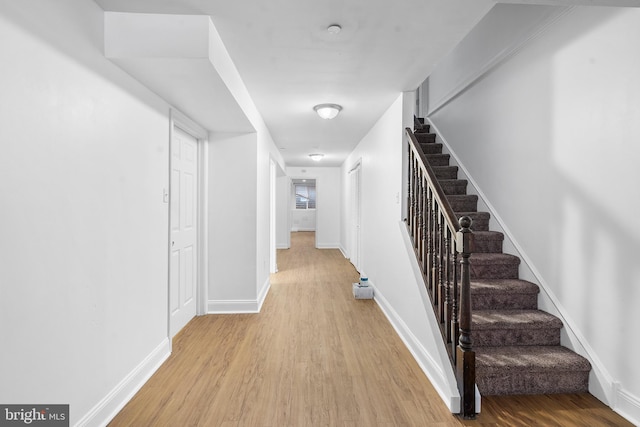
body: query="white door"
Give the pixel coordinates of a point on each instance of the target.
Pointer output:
(183, 244)
(354, 220)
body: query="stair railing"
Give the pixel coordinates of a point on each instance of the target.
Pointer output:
(441, 243)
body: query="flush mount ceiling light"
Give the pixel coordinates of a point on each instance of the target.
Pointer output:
(327, 111)
(316, 157)
(334, 29)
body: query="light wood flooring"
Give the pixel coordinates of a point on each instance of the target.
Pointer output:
(315, 356)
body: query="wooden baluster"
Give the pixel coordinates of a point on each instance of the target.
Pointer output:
(409, 168)
(455, 294)
(466, 357)
(420, 207)
(441, 268)
(425, 200)
(447, 286)
(429, 265)
(412, 205)
(416, 174)
(434, 256)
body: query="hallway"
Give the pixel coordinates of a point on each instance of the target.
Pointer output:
(315, 356)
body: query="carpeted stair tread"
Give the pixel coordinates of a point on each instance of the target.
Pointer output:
(512, 319)
(431, 148)
(530, 370)
(480, 220)
(506, 294)
(425, 138)
(420, 126)
(514, 327)
(463, 202)
(531, 358)
(453, 186)
(492, 259)
(488, 241)
(445, 172)
(492, 286)
(438, 159)
(494, 266)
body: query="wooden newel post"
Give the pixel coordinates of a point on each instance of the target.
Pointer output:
(466, 357)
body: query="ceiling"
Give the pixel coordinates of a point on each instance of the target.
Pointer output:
(289, 62)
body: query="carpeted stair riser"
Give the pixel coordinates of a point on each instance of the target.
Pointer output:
(438, 159)
(453, 186)
(492, 328)
(521, 337)
(493, 266)
(530, 370)
(488, 242)
(431, 148)
(504, 294)
(525, 382)
(445, 172)
(463, 203)
(425, 138)
(480, 220)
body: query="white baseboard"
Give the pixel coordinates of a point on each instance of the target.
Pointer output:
(432, 369)
(232, 306)
(283, 246)
(239, 306)
(262, 295)
(328, 246)
(344, 251)
(102, 413)
(627, 406)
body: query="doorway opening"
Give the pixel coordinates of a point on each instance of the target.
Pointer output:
(187, 225)
(303, 205)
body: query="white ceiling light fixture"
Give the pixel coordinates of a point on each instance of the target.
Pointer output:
(316, 157)
(334, 29)
(327, 111)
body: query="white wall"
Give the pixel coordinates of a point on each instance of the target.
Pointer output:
(232, 220)
(303, 219)
(385, 258)
(246, 291)
(83, 278)
(328, 203)
(283, 212)
(550, 138)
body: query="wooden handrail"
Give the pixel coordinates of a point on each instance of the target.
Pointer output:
(441, 198)
(442, 243)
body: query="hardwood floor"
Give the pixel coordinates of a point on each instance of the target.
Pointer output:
(315, 356)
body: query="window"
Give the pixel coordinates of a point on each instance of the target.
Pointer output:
(305, 196)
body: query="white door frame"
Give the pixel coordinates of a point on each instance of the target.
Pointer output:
(273, 263)
(292, 202)
(355, 215)
(177, 119)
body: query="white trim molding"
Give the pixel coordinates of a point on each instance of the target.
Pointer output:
(240, 306)
(627, 406)
(103, 412)
(232, 306)
(443, 381)
(262, 294)
(474, 74)
(327, 246)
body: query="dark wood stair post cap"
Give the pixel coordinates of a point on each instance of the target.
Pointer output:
(464, 245)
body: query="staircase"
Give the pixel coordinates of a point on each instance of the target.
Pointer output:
(517, 346)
